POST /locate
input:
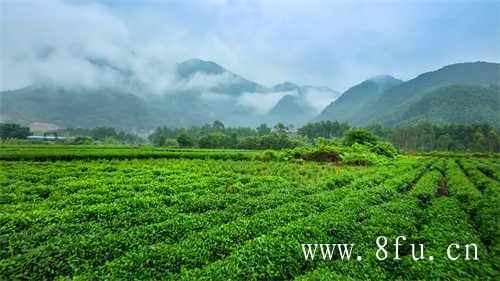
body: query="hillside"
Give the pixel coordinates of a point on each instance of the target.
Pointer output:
(300, 104)
(204, 91)
(424, 98)
(220, 80)
(346, 107)
(75, 107)
(462, 104)
(292, 110)
(380, 111)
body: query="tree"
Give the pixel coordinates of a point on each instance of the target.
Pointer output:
(233, 140)
(263, 129)
(444, 142)
(215, 140)
(100, 133)
(325, 129)
(160, 132)
(161, 140)
(82, 140)
(281, 128)
(109, 140)
(11, 131)
(169, 142)
(360, 136)
(251, 142)
(218, 126)
(185, 140)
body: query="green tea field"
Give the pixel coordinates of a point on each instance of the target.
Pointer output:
(220, 215)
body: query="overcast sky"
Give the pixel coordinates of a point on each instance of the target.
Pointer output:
(332, 43)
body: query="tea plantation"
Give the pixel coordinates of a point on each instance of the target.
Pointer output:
(221, 215)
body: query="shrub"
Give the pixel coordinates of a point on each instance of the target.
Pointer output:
(322, 156)
(385, 149)
(171, 143)
(268, 155)
(356, 159)
(82, 140)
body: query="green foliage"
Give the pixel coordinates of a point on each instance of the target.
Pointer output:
(206, 219)
(325, 129)
(458, 93)
(171, 143)
(85, 108)
(356, 154)
(454, 104)
(360, 136)
(272, 141)
(202, 136)
(281, 128)
(412, 138)
(215, 140)
(263, 129)
(81, 140)
(53, 152)
(13, 131)
(348, 107)
(427, 137)
(361, 155)
(104, 134)
(185, 140)
(385, 149)
(267, 155)
(109, 140)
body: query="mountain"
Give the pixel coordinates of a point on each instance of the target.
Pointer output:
(300, 104)
(478, 73)
(191, 67)
(291, 110)
(208, 75)
(347, 106)
(461, 104)
(74, 107)
(453, 87)
(286, 87)
(201, 92)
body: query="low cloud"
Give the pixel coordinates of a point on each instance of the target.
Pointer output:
(318, 99)
(77, 45)
(202, 81)
(262, 102)
(264, 41)
(215, 97)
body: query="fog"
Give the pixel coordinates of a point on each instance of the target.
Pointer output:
(337, 44)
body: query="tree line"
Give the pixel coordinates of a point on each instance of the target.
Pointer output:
(421, 137)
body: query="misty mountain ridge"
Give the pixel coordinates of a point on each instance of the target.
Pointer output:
(201, 92)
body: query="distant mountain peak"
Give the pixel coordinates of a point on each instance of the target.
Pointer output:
(289, 106)
(382, 78)
(192, 66)
(286, 87)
